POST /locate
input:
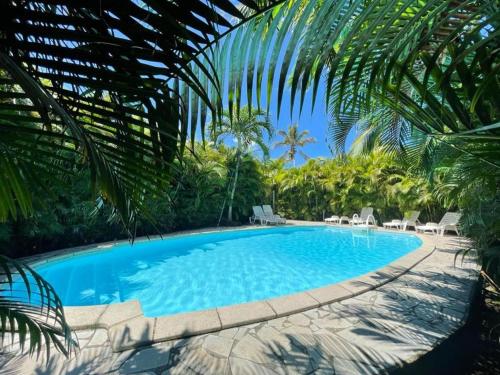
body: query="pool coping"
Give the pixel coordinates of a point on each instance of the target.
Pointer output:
(129, 328)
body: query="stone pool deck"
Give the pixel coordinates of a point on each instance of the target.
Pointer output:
(376, 331)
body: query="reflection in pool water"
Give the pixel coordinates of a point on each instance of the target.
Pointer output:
(195, 272)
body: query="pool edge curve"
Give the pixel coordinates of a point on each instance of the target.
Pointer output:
(128, 327)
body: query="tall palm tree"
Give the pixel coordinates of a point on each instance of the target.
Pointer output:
(103, 87)
(248, 127)
(118, 86)
(294, 140)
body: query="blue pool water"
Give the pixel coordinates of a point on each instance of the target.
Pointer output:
(195, 272)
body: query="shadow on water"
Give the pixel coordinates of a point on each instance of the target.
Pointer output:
(113, 275)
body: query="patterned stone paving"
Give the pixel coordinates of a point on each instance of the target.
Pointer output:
(374, 332)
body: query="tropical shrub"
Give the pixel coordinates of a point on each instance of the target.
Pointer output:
(343, 185)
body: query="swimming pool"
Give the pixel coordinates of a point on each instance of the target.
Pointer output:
(202, 271)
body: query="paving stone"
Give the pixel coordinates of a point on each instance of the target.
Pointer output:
(347, 367)
(174, 326)
(330, 293)
(219, 346)
(300, 320)
(277, 342)
(100, 337)
(252, 349)
(240, 366)
(84, 317)
(279, 323)
(334, 324)
(294, 303)
(201, 362)
(245, 313)
(382, 327)
(84, 334)
(229, 333)
(242, 332)
(120, 358)
(127, 335)
(146, 359)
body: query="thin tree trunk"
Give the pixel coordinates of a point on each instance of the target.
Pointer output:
(274, 199)
(233, 189)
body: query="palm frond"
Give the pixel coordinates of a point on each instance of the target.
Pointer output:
(120, 87)
(31, 311)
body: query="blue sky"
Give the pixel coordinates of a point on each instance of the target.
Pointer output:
(315, 120)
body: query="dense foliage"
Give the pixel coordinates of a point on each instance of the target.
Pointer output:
(343, 185)
(110, 92)
(196, 198)
(71, 217)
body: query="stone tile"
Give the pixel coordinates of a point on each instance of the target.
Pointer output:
(334, 323)
(133, 333)
(347, 367)
(300, 336)
(294, 303)
(218, 346)
(240, 366)
(329, 294)
(245, 313)
(356, 286)
(301, 320)
(279, 323)
(84, 334)
(175, 326)
(84, 317)
(120, 358)
(242, 331)
(200, 362)
(100, 337)
(146, 359)
(321, 363)
(229, 333)
(252, 349)
(277, 342)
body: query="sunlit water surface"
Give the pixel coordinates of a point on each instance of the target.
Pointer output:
(195, 272)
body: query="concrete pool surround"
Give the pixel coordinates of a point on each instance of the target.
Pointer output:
(129, 328)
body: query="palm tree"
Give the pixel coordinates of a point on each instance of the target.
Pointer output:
(120, 94)
(248, 128)
(273, 171)
(294, 140)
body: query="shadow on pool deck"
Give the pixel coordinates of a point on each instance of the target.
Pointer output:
(379, 331)
(382, 343)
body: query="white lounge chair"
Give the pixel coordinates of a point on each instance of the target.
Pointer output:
(365, 217)
(410, 220)
(268, 212)
(259, 215)
(344, 218)
(448, 222)
(333, 219)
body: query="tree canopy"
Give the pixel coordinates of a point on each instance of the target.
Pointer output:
(116, 90)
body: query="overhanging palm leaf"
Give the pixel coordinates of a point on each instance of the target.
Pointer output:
(429, 65)
(118, 85)
(173, 74)
(113, 83)
(31, 311)
(106, 85)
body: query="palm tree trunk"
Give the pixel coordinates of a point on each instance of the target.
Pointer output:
(233, 189)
